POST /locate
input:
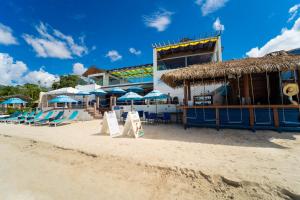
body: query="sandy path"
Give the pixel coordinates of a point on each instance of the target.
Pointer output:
(34, 170)
(267, 158)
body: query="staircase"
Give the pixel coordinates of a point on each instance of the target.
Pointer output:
(95, 115)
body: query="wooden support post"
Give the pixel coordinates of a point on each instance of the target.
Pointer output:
(217, 118)
(185, 93)
(276, 118)
(251, 117)
(246, 94)
(98, 101)
(246, 89)
(189, 91)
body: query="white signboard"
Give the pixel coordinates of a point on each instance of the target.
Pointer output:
(110, 124)
(133, 125)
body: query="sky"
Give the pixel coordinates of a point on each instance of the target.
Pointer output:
(40, 40)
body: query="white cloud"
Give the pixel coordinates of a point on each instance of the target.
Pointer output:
(78, 69)
(210, 6)
(6, 36)
(113, 55)
(135, 51)
(218, 26)
(159, 20)
(16, 72)
(53, 43)
(288, 39)
(11, 71)
(40, 77)
(293, 11)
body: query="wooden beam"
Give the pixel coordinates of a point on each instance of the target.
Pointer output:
(276, 117)
(246, 88)
(217, 118)
(185, 93)
(189, 90)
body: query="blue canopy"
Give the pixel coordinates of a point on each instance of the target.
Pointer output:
(83, 93)
(13, 101)
(135, 89)
(98, 92)
(156, 94)
(62, 99)
(130, 96)
(117, 90)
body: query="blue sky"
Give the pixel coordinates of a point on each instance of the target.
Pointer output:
(52, 37)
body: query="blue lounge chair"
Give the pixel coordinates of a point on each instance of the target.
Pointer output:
(12, 119)
(15, 114)
(35, 118)
(45, 119)
(72, 117)
(24, 118)
(59, 115)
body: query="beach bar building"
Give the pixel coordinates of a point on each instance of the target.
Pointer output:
(256, 93)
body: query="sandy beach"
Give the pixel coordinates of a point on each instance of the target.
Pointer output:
(76, 162)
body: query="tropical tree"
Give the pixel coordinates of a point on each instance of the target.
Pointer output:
(66, 81)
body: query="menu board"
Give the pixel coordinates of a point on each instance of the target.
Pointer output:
(133, 125)
(110, 124)
(203, 100)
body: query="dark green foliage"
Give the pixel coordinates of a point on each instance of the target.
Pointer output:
(66, 81)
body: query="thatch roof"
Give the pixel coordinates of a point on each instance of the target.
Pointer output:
(211, 72)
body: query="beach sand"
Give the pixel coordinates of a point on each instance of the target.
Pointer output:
(76, 162)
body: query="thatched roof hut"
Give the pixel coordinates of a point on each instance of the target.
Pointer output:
(216, 72)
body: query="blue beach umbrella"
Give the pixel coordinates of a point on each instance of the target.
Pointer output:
(98, 92)
(156, 94)
(62, 99)
(135, 89)
(117, 90)
(130, 96)
(83, 93)
(13, 101)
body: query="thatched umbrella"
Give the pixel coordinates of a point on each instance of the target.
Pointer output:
(216, 72)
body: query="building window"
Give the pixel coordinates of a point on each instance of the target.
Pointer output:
(199, 59)
(175, 63)
(98, 80)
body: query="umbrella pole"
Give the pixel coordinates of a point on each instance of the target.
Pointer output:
(131, 105)
(156, 105)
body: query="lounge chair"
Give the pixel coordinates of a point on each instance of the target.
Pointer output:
(45, 119)
(58, 116)
(15, 114)
(72, 117)
(24, 118)
(35, 118)
(12, 119)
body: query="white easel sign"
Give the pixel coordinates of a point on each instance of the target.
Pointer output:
(110, 124)
(133, 125)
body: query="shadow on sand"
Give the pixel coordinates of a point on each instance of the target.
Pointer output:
(232, 137)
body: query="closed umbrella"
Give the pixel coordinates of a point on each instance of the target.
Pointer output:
(156, 94)
(130, 96)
